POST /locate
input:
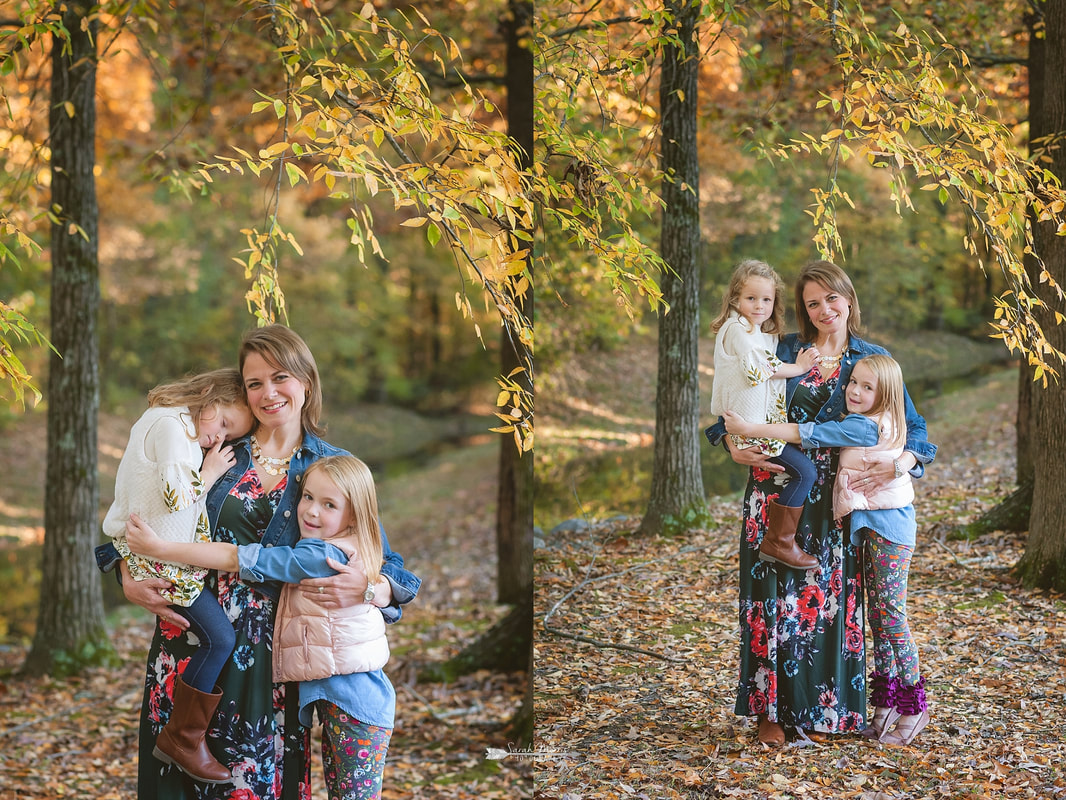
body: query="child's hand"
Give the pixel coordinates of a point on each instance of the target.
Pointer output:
(217, 460)
(735, 424)
(808, 358)
(140, 536)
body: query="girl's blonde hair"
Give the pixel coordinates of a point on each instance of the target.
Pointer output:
(283, 349)
(831, 277)
(220, 387)
(889, 403)
(356, 483)
(742, 272)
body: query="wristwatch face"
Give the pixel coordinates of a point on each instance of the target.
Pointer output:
(368, 595)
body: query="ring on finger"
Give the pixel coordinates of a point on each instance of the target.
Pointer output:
(320, 590)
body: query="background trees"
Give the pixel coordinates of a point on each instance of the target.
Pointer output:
(368, 128)
(903, 134)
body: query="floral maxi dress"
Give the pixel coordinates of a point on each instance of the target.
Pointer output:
(256, 730)
(802, 656)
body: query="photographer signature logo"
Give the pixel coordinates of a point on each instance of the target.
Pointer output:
(498, 754)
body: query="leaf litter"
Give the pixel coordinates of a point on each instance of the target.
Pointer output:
(636, 657)
(77, 737)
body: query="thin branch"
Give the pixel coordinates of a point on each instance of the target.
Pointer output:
(601, 24)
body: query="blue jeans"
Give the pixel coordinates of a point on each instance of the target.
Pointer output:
(214, 630)
(801, 476)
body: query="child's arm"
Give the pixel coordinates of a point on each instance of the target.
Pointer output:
(213, 555)
(786, 431)
(805, 360)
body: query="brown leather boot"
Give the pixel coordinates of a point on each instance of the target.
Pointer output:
(183, 742)
(779, 541)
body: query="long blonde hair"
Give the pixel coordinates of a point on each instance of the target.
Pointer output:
(220, 387)
(752, 268)
(889, 404)
(356, 483)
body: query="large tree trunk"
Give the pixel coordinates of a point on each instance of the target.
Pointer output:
(1044, 562)
(677, 484)
(514, 502)
(71, 618)
(1037, 130)
(508, 645)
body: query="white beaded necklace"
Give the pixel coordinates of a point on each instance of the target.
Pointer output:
(275, 466)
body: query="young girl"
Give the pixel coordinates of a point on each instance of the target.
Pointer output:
(337, 654)
(874, 431)
(749, 381)
(163, 476)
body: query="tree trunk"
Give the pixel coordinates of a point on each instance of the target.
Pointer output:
(1044, 562)
(1037, 129)
(502, 648)
(514, 500)
(514, 508)
(70, 623)
(1011, 514)
(677, 485)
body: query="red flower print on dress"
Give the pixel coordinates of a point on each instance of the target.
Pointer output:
(809, 607)
(836, 582)
(759, 641)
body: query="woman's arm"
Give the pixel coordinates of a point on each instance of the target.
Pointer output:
(213, 555)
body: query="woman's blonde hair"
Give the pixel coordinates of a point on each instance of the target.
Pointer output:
(752, 268)
(831, 277)
(356, 483)
(283, 349)
(889, 403)
(220, 387)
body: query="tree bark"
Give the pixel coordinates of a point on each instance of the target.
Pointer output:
(677, 484)
(514, 500)
(1010, 514)
(71, 616)
(1044, 562)
(1037, 130)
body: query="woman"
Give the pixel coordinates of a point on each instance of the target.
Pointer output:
(257, 733)
(802, 655)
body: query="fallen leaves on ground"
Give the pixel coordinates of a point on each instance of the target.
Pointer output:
(77, 737)
(636, 661)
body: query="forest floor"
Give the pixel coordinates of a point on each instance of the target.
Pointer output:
(636, 651)
(77, 737)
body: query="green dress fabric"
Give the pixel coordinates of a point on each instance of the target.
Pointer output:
(802, 654)
(256, 730)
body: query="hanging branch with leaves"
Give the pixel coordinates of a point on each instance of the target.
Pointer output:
(894, 109)
(367, 125)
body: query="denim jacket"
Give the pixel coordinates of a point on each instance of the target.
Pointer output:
(789, 347)
(284, 528)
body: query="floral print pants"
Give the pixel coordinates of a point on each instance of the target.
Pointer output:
(886, 565)
(353, 754)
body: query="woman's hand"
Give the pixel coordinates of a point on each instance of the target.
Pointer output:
(346, 588)
(147, 595)
(751, 457)
(876, 475)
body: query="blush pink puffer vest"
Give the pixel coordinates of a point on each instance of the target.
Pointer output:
(897, 494)
(314, 642)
